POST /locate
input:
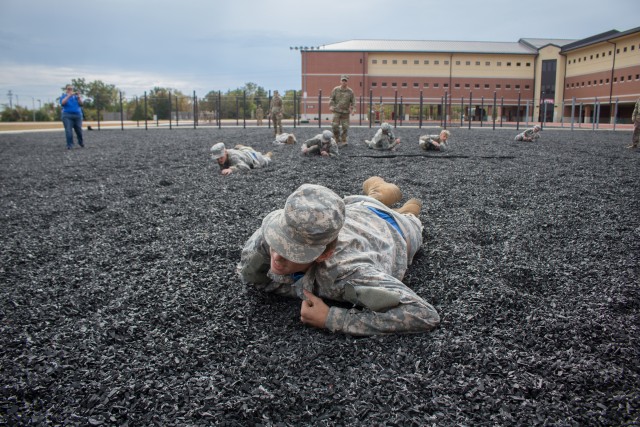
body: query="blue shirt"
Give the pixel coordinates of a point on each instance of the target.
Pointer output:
(72, 105)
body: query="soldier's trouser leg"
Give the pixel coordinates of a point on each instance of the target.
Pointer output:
(345, 127)
(335, 126)
(635, 138)
(275, 125)
(382, 191)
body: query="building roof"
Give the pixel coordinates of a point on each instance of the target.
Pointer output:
(599, 38)
(430, 46)
(540, 43)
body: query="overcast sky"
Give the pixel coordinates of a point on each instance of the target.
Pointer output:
(205, 45)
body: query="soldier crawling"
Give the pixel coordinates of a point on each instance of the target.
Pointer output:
(322, 144)
(353, 250)
(383, 139)
(240, 158)
(529, 135)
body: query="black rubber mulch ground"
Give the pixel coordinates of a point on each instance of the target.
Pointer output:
(120, 305)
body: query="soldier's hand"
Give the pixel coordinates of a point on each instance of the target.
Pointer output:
(324, 154)
(227, 171)
(314, 311)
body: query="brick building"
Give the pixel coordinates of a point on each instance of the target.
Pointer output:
(530, 78)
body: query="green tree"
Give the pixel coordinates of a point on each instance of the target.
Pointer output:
(158, 98)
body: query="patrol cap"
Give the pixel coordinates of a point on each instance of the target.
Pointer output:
(385, 126)
(536, 127)
(312, 218)
(327, 135)
(217, 150)
(344, 78)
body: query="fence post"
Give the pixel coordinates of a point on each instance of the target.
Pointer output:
(573, 111)
(593, 120)
(615, 116)
(145, 111)
(295, 111)
(461, 111)
(177, 111)
(121, 113)
(244, 109)
(501, 109)
(421, 110)
(494, 113)
(219, 110)
(395, 110)
(320, 109)
(370, 107)
(137, 117)
(195, 109)
(518, 112)
(401, 109)
(580, 116)
(470, 106)
(446, 108)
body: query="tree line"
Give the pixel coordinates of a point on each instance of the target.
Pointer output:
(159, 103)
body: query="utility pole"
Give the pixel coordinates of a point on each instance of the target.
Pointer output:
(10, 95)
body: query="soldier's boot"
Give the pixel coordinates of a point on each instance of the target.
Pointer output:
(382, 191)
(336, 136)
(269, 155)
(412, 206)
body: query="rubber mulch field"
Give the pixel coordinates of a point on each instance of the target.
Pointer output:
(120, 305)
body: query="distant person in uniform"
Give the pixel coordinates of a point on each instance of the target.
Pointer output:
(635, 119)
(323, 144)
(285, 139)
(529, 135)
(239, 159)
(434, 142)
(353, 250)
(383, 139)
(259, 115)
(342, 103)
(71, 103)
(275, 112)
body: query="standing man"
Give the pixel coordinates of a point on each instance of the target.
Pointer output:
(342, 104)
(71, 102)
(259, 115)
(275, 111)
(635, 118)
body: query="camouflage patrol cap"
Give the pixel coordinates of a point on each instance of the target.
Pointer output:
(536, 127)
(344, 77)
(312, 218)
(217, 150)
(385, 126)
(327, 135)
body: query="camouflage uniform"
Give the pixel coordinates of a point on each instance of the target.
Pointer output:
(529, 135)
(366, 269)
(382, 140)
(283, 139)
(425, 142)
(635, 119)
(276, 113)
(244, 159)
(320, 143)
(342, 101)
(259, 115)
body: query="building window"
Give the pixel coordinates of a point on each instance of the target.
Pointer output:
(436, 85)
(404, 62)
(488, 63)
(615, 80)
(607, 81)
(591, 57)
(384, 84)
(477, 63)
(609, 53)
(526, 87)
(508, 87)
(425, 85)
(374, 84)
(394, 84)
(508, 64)
(617, 50)
(517, 64)
(633, 47)
(426, 62)
(457, 85)
(404, 84)
(416, 62)
(477, 86)
(486, 86)
(416, 85)
(567, 85)
(597, 55)
(625, 49)
(467, 63)
(457, 62)
(384, 61)
(394, 62)
(600, 81)
(621, 78)
(499, 63)
(528, 64)
(467, 85)
(498, 86)
(374, 61)
(436, 62)
(517, 86)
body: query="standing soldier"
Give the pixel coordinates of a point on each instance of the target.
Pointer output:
(259, 114)
(275, 111)
(635, 119)
(343, 104)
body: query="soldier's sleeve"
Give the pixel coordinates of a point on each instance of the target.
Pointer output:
(332, 99)
(254, 265)
(333, 148)
(388, 307)
(237, 164)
